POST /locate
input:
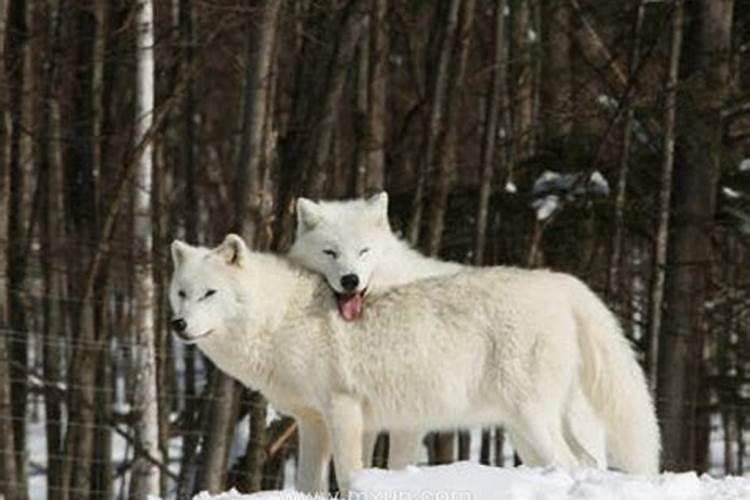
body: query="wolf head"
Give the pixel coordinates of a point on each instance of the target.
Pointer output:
(203, 292)
(343, 241)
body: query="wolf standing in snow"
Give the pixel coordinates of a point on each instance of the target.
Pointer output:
(484, 346)
(350, 242)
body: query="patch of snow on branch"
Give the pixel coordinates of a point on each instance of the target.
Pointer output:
(552, 189)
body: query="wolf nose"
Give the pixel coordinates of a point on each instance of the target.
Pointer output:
(178, 325)
(349, 282)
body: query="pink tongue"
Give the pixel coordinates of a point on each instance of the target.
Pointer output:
(350, 306)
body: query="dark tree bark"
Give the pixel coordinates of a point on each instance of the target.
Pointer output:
(15, 60)
(522, 79)
(665, 191)
(315, 111)
(556, 86)
(615, 260)
(49, 185)
(689, 257)
(258, 75)
(81, 224)
(438, 85)
(8, 471)
(446, 154)
(489, 138)
(377, 95)
(218, 431)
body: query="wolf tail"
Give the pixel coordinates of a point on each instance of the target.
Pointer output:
(615, 385)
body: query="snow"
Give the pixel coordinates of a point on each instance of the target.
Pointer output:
(471, 481)
(546, 206)
(731, 193)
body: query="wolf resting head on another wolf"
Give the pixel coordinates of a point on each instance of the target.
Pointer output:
(344, 243)
(350, 242)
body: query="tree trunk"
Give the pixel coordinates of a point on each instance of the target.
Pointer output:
(315, 111)
(489, 138)
(377, 93)
(522, 77)
(665, 191)
(49, 185)
(556, 85)
(8, 472)
(81, 227)
(446, 154)
(689, 255)
(437, 95)
(615, 260)
(218, 432)
(353, 23)
(260, 49)
(15, 66)
(145, 479)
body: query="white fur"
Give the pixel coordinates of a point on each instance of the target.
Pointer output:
(349, 227)
(346, 227)
(485, 346)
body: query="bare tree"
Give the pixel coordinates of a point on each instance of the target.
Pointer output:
(438, 82)
(615, 261)
(665, 191)
(491, 126)
(146, 475)
(699, 151)
(15, 71)
(8, 472)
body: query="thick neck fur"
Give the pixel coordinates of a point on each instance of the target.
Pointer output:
(268, 289)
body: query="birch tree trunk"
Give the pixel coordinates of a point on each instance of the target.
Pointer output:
(146, 475)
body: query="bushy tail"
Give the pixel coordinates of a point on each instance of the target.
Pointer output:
(616, 386)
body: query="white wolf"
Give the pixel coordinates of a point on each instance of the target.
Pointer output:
(351, 243)
(485, 346)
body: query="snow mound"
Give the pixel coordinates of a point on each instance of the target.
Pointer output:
(471, 481)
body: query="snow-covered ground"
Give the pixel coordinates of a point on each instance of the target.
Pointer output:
(470, 481)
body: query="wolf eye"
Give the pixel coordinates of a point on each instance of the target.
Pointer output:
(209, 293)
(181, 294)
(364, 251)
(331, 253)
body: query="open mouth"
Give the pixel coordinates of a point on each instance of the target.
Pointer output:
(351, 305)
(191, 340)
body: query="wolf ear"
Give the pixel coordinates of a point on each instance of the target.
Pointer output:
(308, 215)
(233, 250)
(179, 252)
(378, 203)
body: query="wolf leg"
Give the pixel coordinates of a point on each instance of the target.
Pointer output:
(314, 453)
(345, 423)
(405, 448)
